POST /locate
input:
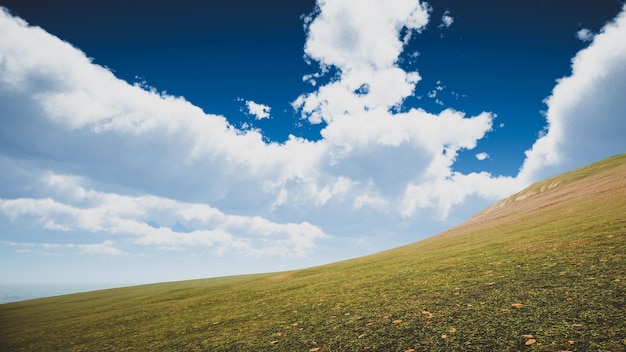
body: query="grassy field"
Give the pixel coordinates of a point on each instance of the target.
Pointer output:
(544, 270)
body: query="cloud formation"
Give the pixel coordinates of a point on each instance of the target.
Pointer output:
(105, 248)
(363, 43)
(482, 156)
(83, 151)
(259, 111)
(152, 220)
(585, 35)
(585, 115)
(446, 20)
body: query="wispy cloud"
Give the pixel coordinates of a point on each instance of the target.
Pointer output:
(446, 20)
(105, 248)
(585, 35)
(134, 216)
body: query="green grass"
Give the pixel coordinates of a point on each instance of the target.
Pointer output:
(551, 264)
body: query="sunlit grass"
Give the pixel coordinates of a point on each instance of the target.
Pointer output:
(546, 273)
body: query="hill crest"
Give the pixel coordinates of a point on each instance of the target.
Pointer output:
(606, 178)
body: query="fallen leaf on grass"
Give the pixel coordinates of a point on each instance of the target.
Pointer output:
(452, 330)
(444, 336)
(528, 336)
(397, 321)
(362, 336)
(530, 342)
(314, 349)
(410, 350)
(273, 342)
(517, 305)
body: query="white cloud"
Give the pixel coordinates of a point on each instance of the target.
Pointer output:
(122, 215)
(443, 194)
(433, 93)
(397, 151)
(446, 20)
(140, 156)
(363, 42)
(586, 109)
(585, 35)
(260, 111)
(482, 156)
(105, 248)
(361, 37)
(86, 153)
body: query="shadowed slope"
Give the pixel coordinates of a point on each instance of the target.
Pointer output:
(544, 270)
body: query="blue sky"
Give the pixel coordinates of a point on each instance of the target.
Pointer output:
(147, 142)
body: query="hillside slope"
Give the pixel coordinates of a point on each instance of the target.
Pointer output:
(543, 270)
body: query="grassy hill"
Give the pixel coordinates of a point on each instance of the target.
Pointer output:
(543, 270)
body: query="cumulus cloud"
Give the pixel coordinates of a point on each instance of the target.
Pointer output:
(586, 110)
(482, 156)
(259, 111)
(363, 43)
(585, 35)
(446, 20)
(149, 164)
(75, 117)
(400, 151)
(443, 194)
(84, 151)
